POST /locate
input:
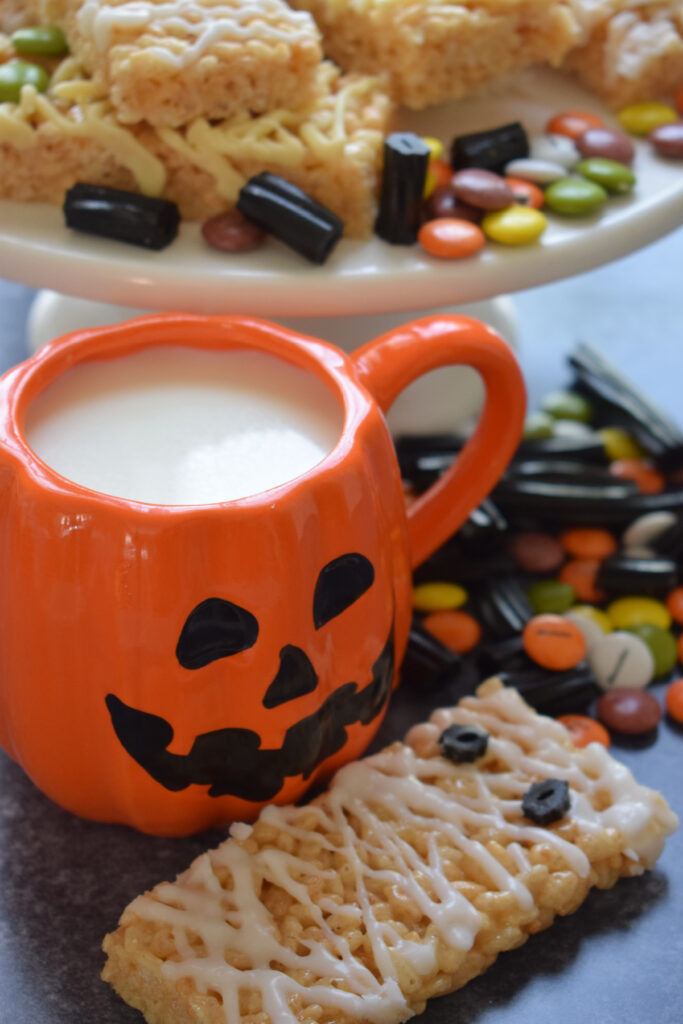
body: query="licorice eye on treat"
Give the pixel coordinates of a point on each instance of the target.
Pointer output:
(120, 215)
(406, 158)
(290, 215)
(490, 150)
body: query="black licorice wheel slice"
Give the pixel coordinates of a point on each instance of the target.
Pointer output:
(290, 215)
(121, 215)
(406, 158)
(647, 576)
(588, 449)
(428, 664)
(490, 150)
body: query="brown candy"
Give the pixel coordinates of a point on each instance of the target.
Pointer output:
(629, 711)
(443, 202)
(483, 189)
(607, 143)
(668, 139)
(230, 231)
(537, 552)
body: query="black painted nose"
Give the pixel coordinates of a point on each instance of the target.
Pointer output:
(295, 677)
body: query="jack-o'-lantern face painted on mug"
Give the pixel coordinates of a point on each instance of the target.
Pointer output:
(235, 760)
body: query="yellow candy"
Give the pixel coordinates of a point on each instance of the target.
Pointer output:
(642, 118)
(430, 183)
(620, 445)
(596, 615)
(436, 597)
(435, 146)
(515, 225)
(626, 612)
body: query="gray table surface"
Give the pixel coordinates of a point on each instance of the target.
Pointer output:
(618, 960)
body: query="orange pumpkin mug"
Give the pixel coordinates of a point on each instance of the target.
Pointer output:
(173, 667)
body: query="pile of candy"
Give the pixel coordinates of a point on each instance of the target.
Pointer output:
(567, 581)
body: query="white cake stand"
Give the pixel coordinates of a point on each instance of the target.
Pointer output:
(348, 299)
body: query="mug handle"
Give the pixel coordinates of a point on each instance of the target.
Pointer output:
(386, 365)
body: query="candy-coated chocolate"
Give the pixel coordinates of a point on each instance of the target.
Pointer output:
(643, 118)
(450, 238)
(438, 596)
(608, 143)
(621, 659)
(457, 630)
(567, 405)
(554, 642)
(584, 730)
(667, 139)
(619, 444)
(626, 612)
(230, 231)
(443, 202)
(643, 474)
(516, 225)
(581, 575)
(555, 148)
(541, 172)
(526, 193)
(662, 646)
(551, 596)
(575, 197)
(632, 712)
(596, 615)
(674, 605)
(573, 123)
(482, 188)
(537, 552)
(674, 700)
(609, 174)
(590, 630)
(439, 174)
(644, 530)
(587, 542)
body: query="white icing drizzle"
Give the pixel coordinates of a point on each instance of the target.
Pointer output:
(184, 30)
(362, 821)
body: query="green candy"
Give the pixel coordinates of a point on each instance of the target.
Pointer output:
(538, 425)
(575, 197)
(567, 405)
(610, 174)
(17, 73)
(551, 596)
(662, 646)
(40, 41)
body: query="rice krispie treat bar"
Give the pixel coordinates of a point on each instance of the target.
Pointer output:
(168, 61)
(435, 50)
(630, 50)
(402, 881)
(332, 149)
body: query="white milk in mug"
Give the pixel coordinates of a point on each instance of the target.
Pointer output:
(182, 426)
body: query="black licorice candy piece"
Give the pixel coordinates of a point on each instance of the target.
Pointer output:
(121, 215)
(463, 744)
(561, 471)
(588, 449)
(290, 215)
(406, 158)
(547, 500)
(491, 149)
(428, 664)
(647, 576)
(553, 693)
(546, 801)
(503, 606)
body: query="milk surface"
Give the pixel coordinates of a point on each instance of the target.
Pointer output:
(183, 426)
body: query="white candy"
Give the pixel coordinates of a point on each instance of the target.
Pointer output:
(557, 149)
(571, 428)
(590, 630)
(647, 528)
(621, 659)
(542, 172)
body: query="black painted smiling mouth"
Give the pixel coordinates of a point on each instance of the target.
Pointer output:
(229, 760)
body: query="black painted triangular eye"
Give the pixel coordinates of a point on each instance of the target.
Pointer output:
(340, 583)
(215, 629)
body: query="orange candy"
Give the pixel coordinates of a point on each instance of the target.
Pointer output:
(647, 479)
(584, 730)
(553, 642)
(580, 574)
(442, 172)
(456, 630)
(584, 542)
(450, 238)
(674, 603)
(573, 123)
(674, 700)
(526, 193)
